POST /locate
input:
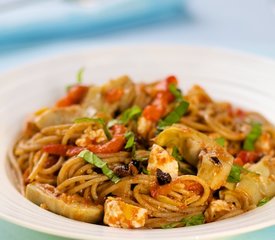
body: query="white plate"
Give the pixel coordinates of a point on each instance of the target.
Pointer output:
(247, 81)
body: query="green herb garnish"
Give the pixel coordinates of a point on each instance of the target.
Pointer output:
(194, 220)
(263, 201)
(235, 174)
(170, 225)
(176, 154)
(130, 136)
(145, 171)
(113, 122)
(130, 114)
(188, 221)
(175, 91)
(79, 79)
(220, 141)
(253, 135)
(95, 160)
(79, 76)
(141, 159)
(174, 116)
(97, 120)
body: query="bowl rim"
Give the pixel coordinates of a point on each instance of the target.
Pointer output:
(61, 57)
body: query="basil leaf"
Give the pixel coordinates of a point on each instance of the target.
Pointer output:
(176, 154)
(174, 116)
(194, 220)
(130, 136)
(170, 225)
(87, 119)
(113, 122)
(220, 141)
(175, 91)
(263, 201)
(141, 159)
(97, 120)
(253, 135)
(79, 76)
(188, 221)
(130, 114)
(235, 174)
(145, 171)
(79, 79)
(95, 160)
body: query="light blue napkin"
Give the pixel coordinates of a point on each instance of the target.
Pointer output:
(50, 20)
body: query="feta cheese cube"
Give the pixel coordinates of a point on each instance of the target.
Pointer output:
(119, 214)
(160, 158)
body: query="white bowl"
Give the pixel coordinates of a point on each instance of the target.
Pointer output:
(246, 81)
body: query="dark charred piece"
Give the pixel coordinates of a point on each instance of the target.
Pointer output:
(125, 170)
(216, 160)
(163, 178)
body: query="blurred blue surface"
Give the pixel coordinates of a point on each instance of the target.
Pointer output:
(49, 21)
(246, 25)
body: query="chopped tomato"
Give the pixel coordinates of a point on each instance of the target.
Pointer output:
(163, 86)
(74, 150)
(238, 161)
(151, 113)
(163, 97)
(240, 113)
(193, 186)
(62, 149)
(56, 149)
(74, 96)
(113, 95)
(246, 157)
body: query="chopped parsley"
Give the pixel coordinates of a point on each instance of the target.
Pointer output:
(145, 171)
(235, 174)
(220, 141)
(188, 221)
(79, 79)
(175, 91)
(113, 122)
(253, 135)
(176, 154)
(170, 225)
(79, 76)
(194, 220)
(130, 114)
(174, 116)
(130, 136)
(263, 201)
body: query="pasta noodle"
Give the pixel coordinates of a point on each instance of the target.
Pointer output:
(145, 156)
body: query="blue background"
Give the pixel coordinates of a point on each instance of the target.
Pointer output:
(244, 25)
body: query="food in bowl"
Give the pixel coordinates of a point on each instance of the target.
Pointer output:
(135, 155)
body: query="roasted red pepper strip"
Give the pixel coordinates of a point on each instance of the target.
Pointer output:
(61, 149)
(113, 95)
(74, 96)
(244, 157)
(74, 151)
(157, 108)
(114, 145)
